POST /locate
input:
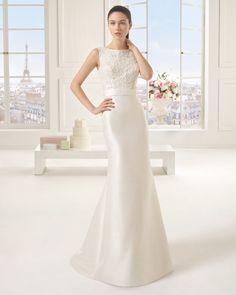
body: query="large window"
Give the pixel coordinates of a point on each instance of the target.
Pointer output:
(23, 99)
(170, 34)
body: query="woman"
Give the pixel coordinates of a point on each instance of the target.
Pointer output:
(126, 243)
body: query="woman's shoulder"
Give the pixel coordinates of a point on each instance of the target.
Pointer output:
(97, 49)
(95, 53)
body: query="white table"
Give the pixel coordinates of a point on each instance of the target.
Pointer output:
(164, 152)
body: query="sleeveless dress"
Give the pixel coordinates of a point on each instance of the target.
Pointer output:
(126, 243)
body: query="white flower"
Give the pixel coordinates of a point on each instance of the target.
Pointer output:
(152, 96)
(164, 87)
(169, 94)
(156, 83)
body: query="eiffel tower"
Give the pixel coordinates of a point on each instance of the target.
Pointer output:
(26, 73)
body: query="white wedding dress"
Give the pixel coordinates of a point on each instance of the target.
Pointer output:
(126, 243)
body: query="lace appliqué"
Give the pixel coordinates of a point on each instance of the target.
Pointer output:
(118, 68)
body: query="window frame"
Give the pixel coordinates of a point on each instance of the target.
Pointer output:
(6, 54)
(202, 53)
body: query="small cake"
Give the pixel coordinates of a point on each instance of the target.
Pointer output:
(65, 145)
(81, 138)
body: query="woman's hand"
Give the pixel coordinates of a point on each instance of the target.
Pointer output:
(145, 68)
(104, 106)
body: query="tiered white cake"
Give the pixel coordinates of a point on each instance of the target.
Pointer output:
(81, 138)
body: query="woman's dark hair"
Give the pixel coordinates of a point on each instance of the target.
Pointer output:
(122, 9)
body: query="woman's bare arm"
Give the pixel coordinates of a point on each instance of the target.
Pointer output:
(89, 64)
(145, 68)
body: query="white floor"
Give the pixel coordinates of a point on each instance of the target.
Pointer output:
(43, 220)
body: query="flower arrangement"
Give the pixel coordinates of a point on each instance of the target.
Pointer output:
(162, 92)
(163, 88)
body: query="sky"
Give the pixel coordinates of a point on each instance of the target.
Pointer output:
(163, 35)
(18, 18)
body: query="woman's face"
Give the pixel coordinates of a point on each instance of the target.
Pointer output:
(118, 25)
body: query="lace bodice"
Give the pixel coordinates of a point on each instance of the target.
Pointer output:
(118, 68)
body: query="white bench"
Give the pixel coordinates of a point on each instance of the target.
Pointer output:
(164, 152)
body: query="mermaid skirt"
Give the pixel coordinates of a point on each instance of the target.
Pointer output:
(126, 243)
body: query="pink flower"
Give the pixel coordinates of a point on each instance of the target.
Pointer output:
(158, 95)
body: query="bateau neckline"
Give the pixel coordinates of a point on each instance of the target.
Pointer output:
(117, 49)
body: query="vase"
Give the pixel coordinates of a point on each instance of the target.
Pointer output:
(160, 106)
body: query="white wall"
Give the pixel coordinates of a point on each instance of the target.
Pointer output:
(76, 27)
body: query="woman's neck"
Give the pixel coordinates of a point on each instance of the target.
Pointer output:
(118, 45)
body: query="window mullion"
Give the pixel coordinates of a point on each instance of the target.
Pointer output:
(203, 66)
(25, 5)
(6, 65)
(147, 100)
(180, 60)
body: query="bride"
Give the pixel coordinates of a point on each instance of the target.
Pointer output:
(126, 243)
